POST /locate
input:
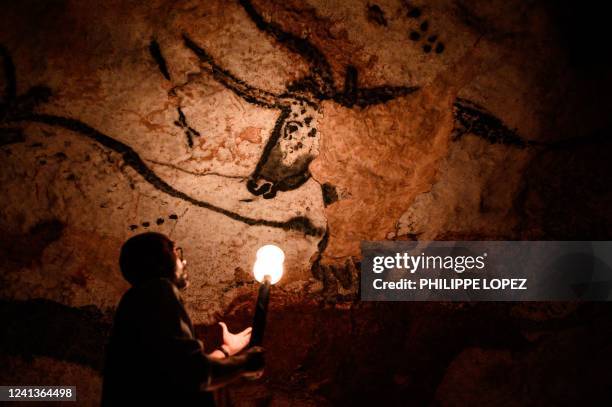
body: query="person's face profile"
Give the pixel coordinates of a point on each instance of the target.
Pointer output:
(180, 273)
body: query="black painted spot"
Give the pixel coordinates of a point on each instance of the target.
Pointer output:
(330, 194)
(133, 227)
(146, 224)
(415, 36)
(159, 221)
(427, 48)
(312, 133)
(376, 15)
(265, 188)
(424, 26)
(432, 38)
(415, 13)
(303, 111)
(173, 216)
(292, 128)
(307, 120)
(439, 48)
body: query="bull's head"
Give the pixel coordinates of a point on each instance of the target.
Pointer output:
(293, 144)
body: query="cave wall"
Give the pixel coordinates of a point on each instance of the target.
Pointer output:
(312, 125)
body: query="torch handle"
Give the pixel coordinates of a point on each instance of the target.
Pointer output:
(261, 311)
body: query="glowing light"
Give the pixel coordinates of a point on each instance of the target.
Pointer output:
(269, 262)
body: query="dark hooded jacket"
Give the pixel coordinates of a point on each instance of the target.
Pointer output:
(152, 356)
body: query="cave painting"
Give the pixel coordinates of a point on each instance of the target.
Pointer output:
(286, 160)
(294, 140)
(16, 109)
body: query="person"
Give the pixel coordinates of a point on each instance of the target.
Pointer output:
(153, 356)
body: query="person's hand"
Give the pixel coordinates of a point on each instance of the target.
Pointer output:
(254, 364)
(234, 343)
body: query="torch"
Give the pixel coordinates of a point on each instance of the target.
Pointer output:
(268, 270)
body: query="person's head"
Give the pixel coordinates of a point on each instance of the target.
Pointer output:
(152, 255)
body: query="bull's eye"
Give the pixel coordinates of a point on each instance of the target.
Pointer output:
(291, 127)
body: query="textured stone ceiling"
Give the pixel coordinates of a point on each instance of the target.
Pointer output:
(311, 125)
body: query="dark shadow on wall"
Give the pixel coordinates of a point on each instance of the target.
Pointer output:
(21, 250)
(370, 353)
(566, 191)
(47, 328)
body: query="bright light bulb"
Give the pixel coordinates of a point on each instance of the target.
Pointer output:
(269, 262)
